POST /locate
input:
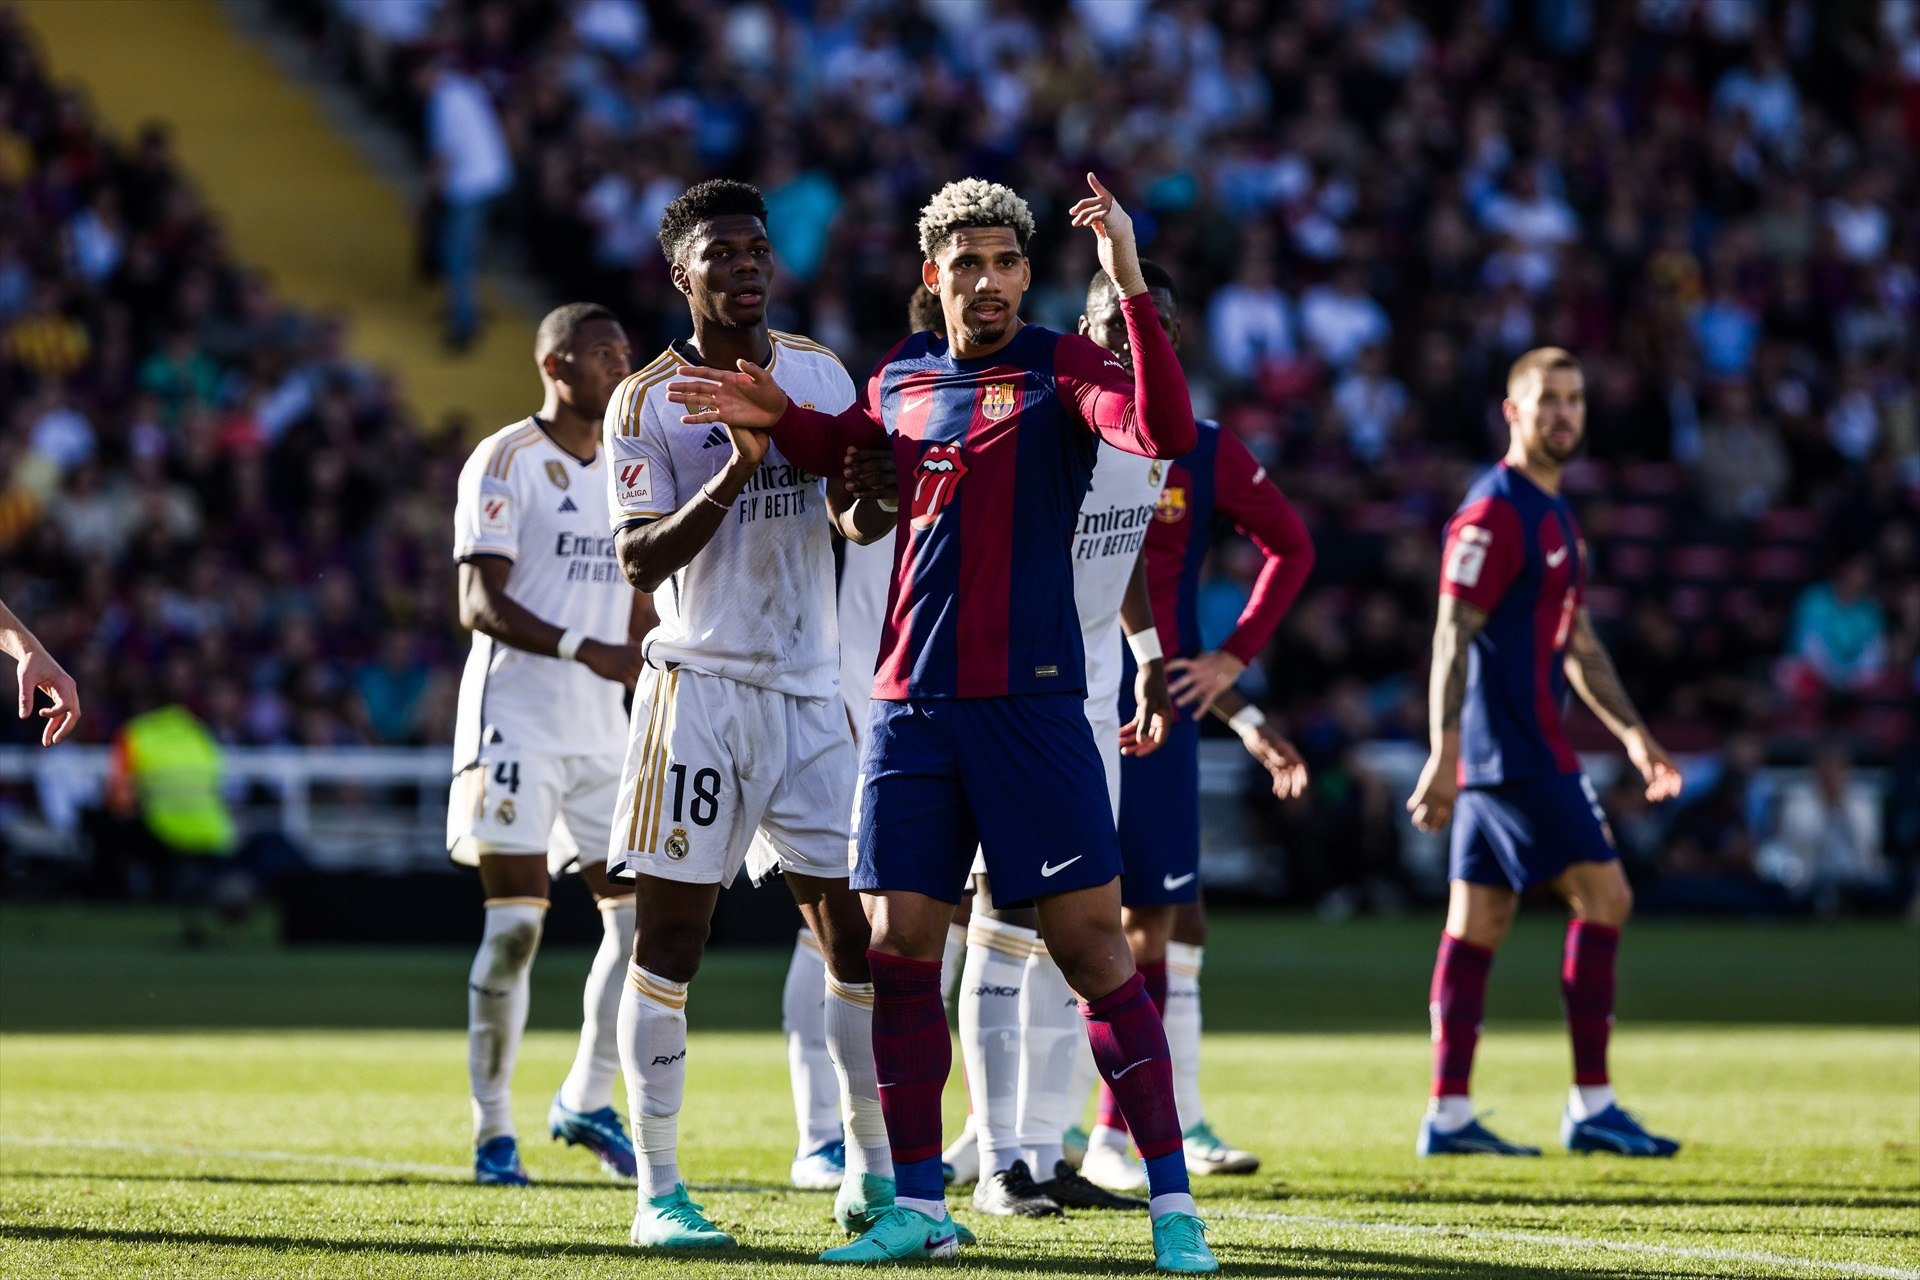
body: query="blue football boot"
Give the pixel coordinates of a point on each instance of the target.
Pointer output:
(496, 1163)
(600, 1132)
(1471, 1139)
(1615, 1132)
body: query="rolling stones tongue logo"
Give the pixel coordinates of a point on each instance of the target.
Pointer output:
(935, 481)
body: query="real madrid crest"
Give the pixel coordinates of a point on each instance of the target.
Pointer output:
(504, 814)
(557, 472)
(1156, 472)
(677, 844)
(996, 401)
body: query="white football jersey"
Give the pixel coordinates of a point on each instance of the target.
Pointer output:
(757, 603)
(866, 575)
(523, 497)
(1112, 528)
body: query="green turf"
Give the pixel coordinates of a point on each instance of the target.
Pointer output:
(246, 1110)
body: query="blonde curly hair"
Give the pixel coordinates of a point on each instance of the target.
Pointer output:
(972, 202)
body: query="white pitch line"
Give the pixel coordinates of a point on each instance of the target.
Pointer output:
(1696, 1253)
(1535, 1238)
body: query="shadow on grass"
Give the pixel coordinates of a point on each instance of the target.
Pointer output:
(1247, 1260)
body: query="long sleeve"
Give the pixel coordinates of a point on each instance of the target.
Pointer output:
(818, 442)
(1148, 413)
(1256, 506)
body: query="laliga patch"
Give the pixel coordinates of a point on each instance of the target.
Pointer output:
(1469, 556)
(496, 513)
(634, 482)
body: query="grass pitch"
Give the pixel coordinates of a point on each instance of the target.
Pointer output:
(253, 1111)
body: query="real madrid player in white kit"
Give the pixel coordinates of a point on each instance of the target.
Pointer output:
(739, 752)
(538, 740)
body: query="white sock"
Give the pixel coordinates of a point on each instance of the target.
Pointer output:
(850, 1043)
(653, 1051)
(935, 1209)
(1183, 1030)
(950, 961)
(1451, 1113)
(1170, 1202)
(1052, 1036)
(1080, 1085)
(497, 1009)
(1113, 1139)
(803, 1016)
(1588, 1100)
(589, 1085)
(990, 1035)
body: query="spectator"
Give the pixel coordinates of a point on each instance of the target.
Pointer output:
(1828, 843)
(1249, 322)
(1340, 320)
(1369, 404)
(1743, 465)
(471, 169)
(1839, 630)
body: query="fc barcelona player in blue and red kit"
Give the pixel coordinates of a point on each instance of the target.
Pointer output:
(1513, 635)
(978, 735)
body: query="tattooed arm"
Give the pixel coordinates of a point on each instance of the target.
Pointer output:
(1591, 672)
(1432, 801)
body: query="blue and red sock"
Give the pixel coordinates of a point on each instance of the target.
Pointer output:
(912, 1055)
(1130, 1050)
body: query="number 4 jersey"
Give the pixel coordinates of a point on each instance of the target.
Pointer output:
(1514, 552)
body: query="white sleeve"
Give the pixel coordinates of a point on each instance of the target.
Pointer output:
(486, 513)
(842, 394)
(640, 479)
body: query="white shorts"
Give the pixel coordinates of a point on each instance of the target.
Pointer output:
(530, 803)
(713, 762)
(1106, 735)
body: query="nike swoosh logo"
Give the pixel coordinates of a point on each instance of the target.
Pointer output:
(941, 1243)
(1130, 1066)
(1554, 558)
(1174, 882)
(1048, 870)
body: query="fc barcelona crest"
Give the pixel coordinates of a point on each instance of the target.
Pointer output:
(997, 401)
(557, 472)
(1172, 507)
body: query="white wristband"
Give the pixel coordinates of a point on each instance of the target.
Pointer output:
(1247, 717)
(1145, 645)
(568, 650)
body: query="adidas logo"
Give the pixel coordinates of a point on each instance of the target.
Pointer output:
(716, 437)
(566, 505)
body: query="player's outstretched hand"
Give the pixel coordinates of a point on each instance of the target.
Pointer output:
(39, 671)
(1114, 242)
(1655, 765)
(621, 663)
(1279, 758)
(1196, 682)
(1153, 718)
(1431, 803)
(749, 399)
(871, 473)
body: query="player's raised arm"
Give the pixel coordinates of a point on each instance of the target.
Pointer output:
(1591, 671)
(38, 671)
(1147, 412)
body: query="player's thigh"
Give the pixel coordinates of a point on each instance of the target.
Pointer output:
(909, 924)
(1082, 929)
(914, 830)
(509, 876)
(587, 803)
(1038, 793)
(1160, 821)
(806, 825)
(508, 802)
(672, 920)
(838, 919)
(1148, 929)
(1597, 891)
(1480, 913)
(685, 813)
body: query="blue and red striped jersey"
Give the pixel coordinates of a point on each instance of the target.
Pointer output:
(1514, 552)
(1220, 478)
(994, 456)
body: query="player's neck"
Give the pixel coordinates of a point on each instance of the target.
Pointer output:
(578, 434)
(961, 349)
(721, 347)
(1544, 474)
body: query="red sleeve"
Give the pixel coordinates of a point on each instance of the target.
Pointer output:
(1256, 506)
(1146, 412)
(1484, 552)
(818, 442)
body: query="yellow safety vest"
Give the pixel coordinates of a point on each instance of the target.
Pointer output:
(176, 767)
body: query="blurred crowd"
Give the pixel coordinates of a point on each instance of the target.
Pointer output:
(203, 499)
(1371, 206)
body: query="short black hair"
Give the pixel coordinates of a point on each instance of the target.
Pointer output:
(703, 201)
(1155, 275)
(923, 312)
(557, 329)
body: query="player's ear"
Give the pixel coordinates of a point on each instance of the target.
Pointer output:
(682, 282)
(1085, 327)
(930, 276)
(1510, 411)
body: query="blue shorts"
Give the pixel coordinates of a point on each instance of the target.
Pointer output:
(1520, 834)
(1018, 779)
(1160, 818)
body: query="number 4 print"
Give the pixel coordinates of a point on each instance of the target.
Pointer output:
(507, 774)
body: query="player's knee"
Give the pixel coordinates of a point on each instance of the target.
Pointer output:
(511, 950)
(673, 951)
(1612, 904)
(847, 958)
